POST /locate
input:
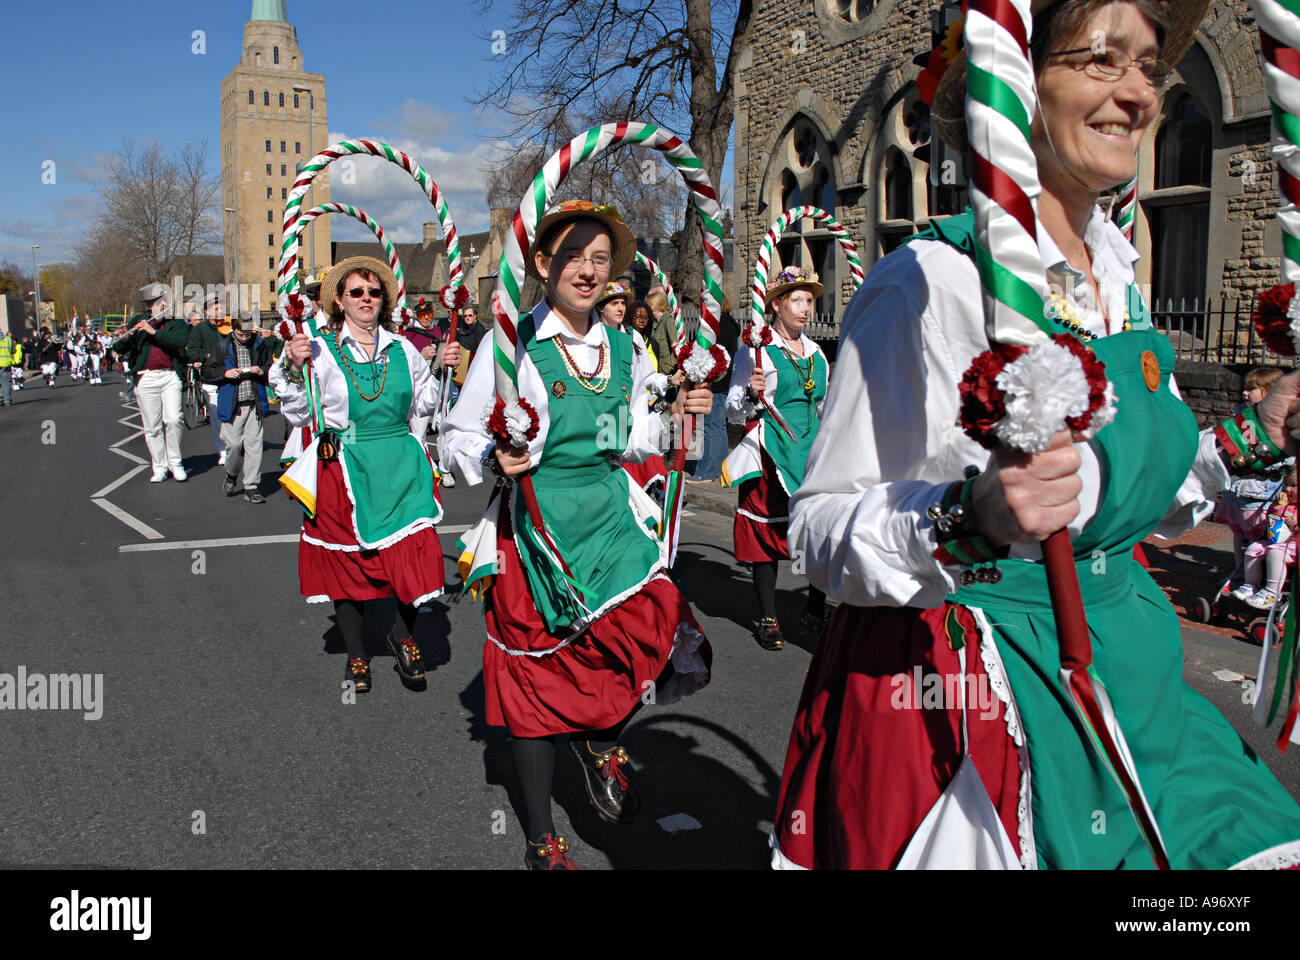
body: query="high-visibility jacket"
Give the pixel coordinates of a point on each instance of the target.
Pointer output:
(11, 353)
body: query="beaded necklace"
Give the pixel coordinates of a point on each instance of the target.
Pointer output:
(1063, 313)
(805, 377)
(382, 360)
(597, 380)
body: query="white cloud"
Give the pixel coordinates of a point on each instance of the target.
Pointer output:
(72, 216)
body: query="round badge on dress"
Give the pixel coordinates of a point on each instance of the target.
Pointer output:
(558, 389)
(1151, 370)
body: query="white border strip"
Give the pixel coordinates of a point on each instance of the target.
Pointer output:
(139, 526)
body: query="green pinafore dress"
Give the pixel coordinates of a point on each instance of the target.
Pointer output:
(1215, 802)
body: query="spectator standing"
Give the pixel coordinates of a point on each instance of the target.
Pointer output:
(239, 371)
(202, 345)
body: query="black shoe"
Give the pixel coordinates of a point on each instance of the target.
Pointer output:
(228, 485)
(608, 787)
(409, 662)
(548, 853)
(768, 634)
(252, 496)
(814, 624)
(358, 671)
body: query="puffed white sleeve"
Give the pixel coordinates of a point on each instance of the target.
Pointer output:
(890, 443)
(465, 435)
(1195, 499)
(650, 433)
(740, 410)
(294, 404)
(424, 385)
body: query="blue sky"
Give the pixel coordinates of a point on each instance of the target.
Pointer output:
(76, 86)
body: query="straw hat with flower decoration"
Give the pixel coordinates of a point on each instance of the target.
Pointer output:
(340, 270)
(613, 290)
(624, 243)
(793, 278)
(945, 73)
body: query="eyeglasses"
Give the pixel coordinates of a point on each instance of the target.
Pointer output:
(356, 293)
(1112, 63)
(571, 261)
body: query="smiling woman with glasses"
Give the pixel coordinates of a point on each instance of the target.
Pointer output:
(930, 540)
(366, 483)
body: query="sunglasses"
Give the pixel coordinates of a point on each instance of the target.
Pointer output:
(356, 293)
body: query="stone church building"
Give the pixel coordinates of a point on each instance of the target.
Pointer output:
(826, 95)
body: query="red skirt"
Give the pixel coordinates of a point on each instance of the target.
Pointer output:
(646, 475)
(757, 541)
(593, 682)
(866, 761)
(410, 569)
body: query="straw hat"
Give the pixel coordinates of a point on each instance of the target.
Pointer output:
(1182, 18)
(793, 278)
(624, 244)
(341, 269)
(613, 290)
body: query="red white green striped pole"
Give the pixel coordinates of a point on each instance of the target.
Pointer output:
(1001, 100)
(357, 214)
(762, 264)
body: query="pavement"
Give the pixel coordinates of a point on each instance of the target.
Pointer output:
(225, 738)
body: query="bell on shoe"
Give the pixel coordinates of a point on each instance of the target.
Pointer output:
(358, 671)
(610, 791)
(548, 853)
(768, 634)
(407, 653)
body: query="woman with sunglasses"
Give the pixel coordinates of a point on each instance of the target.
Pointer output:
(576, 650)
(366, 482)
(936, 689)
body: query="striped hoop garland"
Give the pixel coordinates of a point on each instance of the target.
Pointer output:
(510, 282)
(287, 277)
(758, 290)
(1128, 198)
(357, 214)
(661, 278)
(1000, 102)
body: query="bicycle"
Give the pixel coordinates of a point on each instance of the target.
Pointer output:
(194, 406)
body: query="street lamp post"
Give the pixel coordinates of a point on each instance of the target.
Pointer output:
(234, 229)
(311, 227)
(36, 278)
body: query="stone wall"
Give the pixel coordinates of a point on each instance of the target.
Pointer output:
(1212, 390)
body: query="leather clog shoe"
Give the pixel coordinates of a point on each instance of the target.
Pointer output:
(608, 788)
(768, 634)
(548, 853)
(407, 652)
(358, 671)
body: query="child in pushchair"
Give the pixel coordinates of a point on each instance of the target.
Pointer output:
(1273, 551)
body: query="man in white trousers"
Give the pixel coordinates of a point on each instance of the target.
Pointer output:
(156, 351)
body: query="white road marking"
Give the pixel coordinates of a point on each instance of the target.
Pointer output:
(130, 456)
(239, 541)
(138, 526)
(118, 482)
(128, 439)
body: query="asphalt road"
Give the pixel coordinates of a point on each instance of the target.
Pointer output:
(225, 740)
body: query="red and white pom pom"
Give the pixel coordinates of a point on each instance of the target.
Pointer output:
(700, 365)
(285, 330)
(294, 306)
(1048, 388)
(454, 298)
(403, 317)
(1277, 319)
(516, 422)
(758, 335)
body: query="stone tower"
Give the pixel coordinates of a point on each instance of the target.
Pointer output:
(267, 129)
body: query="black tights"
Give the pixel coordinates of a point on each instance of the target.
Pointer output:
(765, 590)
(535, 763)
(351, 617)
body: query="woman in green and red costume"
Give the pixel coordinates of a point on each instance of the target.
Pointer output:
(877, 739)
(365, 482)
(574, 649)
(779, 399)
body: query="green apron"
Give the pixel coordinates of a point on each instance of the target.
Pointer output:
(582, 491)
(385, 468)
(799, 411)
(1214, 801)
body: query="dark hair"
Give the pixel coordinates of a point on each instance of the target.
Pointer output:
(385, 308)
(1065, 18)
(633, 307)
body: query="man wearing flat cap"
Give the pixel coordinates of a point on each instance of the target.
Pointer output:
(155, 352)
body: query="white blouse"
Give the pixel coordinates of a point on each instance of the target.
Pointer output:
(740, 410)
(890, 441)
(466, 438)
(332, 381)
